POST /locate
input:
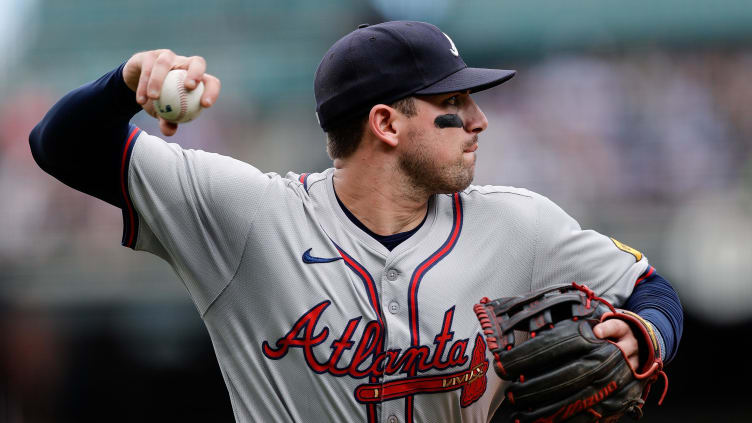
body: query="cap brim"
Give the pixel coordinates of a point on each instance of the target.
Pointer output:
(473, 79)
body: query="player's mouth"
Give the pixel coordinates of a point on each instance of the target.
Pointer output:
(472, 146)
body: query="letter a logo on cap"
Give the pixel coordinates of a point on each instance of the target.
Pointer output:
(453, 50)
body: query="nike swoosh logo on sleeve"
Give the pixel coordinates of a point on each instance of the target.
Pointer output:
(309, 259)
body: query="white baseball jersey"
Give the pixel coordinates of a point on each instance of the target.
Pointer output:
(314, 320)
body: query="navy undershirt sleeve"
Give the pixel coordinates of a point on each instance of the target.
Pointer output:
(80, 140)
(655, 300)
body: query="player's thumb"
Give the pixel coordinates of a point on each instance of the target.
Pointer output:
(168, 128)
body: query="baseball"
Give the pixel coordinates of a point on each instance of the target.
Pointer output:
(175, 103)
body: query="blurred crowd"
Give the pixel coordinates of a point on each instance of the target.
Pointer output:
(647, 126)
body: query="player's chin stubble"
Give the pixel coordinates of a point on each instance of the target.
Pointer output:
(428, 175)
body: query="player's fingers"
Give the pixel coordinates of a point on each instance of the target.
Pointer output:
(149, 108)
(611, 328)
(630, 348)
(212, 86)
(163, 64)
(621, 334)
(147, 62)
(168, 128)
(132, 70)
(195, 73)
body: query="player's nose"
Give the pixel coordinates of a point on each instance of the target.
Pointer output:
(475, 120)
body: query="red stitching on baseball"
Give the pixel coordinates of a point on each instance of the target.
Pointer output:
(183, 99)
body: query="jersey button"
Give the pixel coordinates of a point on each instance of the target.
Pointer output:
(393, 307)
(392, 419)
(392, 274)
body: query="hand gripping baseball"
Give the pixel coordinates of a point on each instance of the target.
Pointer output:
(563, 372)
(145, 72)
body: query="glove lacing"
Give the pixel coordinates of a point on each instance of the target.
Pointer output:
(656, 368)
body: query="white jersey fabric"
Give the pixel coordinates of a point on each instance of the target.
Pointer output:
(314, 320)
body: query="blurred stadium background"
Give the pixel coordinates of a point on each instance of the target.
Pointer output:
(634, 116)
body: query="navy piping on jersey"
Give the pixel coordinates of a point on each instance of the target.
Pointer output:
(428, 263)
(391, 242)
(417, 277)
(368, 282)
(373, 298)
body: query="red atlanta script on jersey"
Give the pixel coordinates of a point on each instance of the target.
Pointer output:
(368, 359)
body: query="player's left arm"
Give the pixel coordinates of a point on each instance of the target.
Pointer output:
(565, 252)
(657, 303)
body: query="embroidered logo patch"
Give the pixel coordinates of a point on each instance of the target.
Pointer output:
(627, 249)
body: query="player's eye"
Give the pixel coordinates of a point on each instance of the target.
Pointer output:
(453, 100)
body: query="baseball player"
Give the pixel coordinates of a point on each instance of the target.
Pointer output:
(347, 294)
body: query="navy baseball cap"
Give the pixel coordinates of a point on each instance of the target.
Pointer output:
(390, 61)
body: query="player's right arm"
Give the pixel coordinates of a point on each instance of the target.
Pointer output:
(192, 208)
(80, 140)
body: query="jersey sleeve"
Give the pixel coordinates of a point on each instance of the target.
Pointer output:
(192, 208)
(566, 253)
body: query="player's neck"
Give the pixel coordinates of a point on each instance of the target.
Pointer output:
(384, 205)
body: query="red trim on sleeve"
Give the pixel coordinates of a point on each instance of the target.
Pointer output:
(124, 188)
(645, 275)
(304, 180)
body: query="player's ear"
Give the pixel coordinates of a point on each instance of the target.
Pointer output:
(382, 123)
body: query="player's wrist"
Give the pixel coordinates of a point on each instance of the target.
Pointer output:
(122, 94)
(661, 344)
